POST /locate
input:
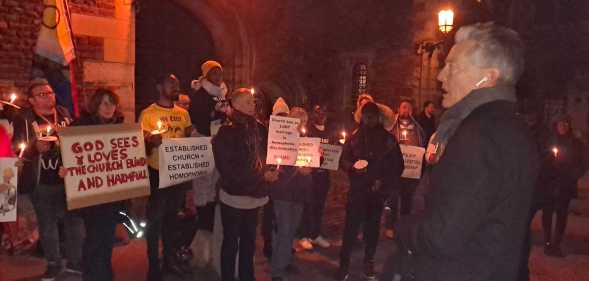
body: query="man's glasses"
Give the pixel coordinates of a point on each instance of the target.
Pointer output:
(44, 94)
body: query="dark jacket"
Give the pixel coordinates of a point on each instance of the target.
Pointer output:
(113, 208)
(427, 124)
(561, 173)
(239, 159)
(385, 161)
(31, 170)
(474, 228)
(202, 111)
(292, 186)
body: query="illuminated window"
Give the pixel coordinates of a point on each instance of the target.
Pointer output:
(361, 77)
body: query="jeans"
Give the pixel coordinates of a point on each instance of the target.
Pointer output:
(100, 236)
(401, 200)
(161, 213)
(362, 209)
(239, 235)
(288, 216)
(313, 211)
(50, 207)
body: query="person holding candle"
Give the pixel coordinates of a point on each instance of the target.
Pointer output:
(100, 221)
(240, 150)
(289, 195)
(313, 211)
(564, 165)
(374, 163)
(407, 131)
(163, 204)
(41, 178)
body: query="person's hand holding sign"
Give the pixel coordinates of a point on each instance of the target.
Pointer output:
(62, 172)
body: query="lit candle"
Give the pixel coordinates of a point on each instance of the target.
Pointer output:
(343, 139)
(22, 147)
(278, 162)
(12, 98)
(555, 151)
(159, 125)
(404, 135)
(304, 131)
(252, 91)
(48, 130)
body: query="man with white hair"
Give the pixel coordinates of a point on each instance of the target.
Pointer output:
(484, 170)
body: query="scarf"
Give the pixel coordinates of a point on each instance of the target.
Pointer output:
(217, 92)
(453, 117)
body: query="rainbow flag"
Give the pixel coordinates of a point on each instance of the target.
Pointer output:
(56, 43)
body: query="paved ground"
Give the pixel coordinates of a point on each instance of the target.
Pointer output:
(130, 260)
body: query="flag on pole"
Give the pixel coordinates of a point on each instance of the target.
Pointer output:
(55, 42)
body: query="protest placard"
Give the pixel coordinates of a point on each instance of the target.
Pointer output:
(309, 154)
(8, 193)
(283, 141)
(413, 158)
(331, 155)
(185, 159)
(104, 164)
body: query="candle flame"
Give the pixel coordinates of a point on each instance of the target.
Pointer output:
(303, 130)
(22, 146)
(344, 134)
(279, 161)
(48, 130)
(159, 125)
(555, 151)
(252, 91)
(12, 98)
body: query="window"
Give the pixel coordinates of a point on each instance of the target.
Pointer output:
(361, 78)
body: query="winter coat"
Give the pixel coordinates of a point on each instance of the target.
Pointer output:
(427, 124)
(31, 169)
(241, 170)
(482, 187)
(292, 186)
(202, 110)
(385, 161)
(561, 173)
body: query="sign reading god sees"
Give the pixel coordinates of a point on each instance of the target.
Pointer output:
(104, 164)
(185, 159)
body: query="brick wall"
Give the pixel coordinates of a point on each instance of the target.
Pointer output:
(102, 8)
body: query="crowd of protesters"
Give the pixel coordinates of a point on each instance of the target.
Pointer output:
(484, 177)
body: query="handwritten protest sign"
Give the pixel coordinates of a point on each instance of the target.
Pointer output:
(185, 159)
(8, 184)
(104, 164)
(413, 158)
(308, 152)
(283, 140)
(331, 155)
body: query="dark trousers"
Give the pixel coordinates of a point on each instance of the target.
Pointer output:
(559, 205)
(239, 235)
(162, 209)
(524, 271)
(268, 227)
(401, 200)
(205, 216)
(313, 211)
(97, 251)
(362, 209)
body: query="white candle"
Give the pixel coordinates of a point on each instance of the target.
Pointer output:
(22, 147)
(12, 98)
(278, 162)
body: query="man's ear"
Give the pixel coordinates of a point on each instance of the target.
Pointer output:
(493, 75)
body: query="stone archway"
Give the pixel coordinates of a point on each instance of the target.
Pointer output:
(230, 37)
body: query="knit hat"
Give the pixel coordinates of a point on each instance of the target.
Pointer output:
(279, 107)
(208, 66)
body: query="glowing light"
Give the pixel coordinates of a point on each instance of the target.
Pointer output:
(13, 98)
(22, 146)
(446, 20)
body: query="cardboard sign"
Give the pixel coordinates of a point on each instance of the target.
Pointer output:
(104, 164)
(185, 159)
(308, 152)
(283, 141)
(331, 156)
(413, 158)
(8, 192)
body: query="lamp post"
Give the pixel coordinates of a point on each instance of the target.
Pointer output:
(445, 25)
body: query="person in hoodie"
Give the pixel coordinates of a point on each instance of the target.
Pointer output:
(289, 195)
(240, 151)
(100, 221)
(374, 163)
(563, 166)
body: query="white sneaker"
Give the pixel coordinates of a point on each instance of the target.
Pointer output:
(306, 244)
(321, 242)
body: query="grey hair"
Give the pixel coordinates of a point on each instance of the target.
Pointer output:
(495, 46)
